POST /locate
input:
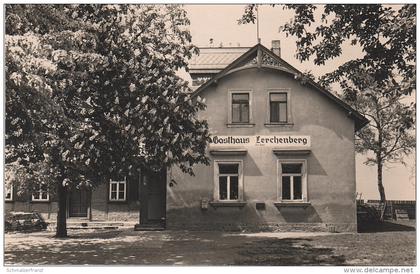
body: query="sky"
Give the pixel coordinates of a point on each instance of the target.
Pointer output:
(219, 22)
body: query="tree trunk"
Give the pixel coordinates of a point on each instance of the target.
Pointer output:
(62, 211)
(380, 185)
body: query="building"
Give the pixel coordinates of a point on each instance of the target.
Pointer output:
(282, 156)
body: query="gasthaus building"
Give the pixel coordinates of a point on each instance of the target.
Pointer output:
(282, 157)
(282, 151)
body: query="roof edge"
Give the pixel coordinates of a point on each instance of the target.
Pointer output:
(360, 120)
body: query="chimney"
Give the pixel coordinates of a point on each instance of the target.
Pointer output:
(275, 47)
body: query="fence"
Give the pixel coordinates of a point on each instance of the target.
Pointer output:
(397, 206)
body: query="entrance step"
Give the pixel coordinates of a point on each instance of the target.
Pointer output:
(92, 225)
(143, 227)
(100, 225)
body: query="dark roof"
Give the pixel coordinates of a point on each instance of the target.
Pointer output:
(360, 120)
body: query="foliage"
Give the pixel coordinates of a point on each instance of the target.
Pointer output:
(91, 92)
(385, 33)
(390, 133)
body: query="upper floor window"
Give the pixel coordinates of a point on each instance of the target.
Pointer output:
(228, 181)
(278, 107)
(118, 190)
(8, 193)
(41, 193)
(240, 108)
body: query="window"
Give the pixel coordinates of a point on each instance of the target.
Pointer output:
(118, 190)
(240, 108)
(278, 107)
(41, 193)
(228, 181)
(293, 181)
(8, 193)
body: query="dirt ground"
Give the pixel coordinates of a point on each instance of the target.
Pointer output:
(395, 246)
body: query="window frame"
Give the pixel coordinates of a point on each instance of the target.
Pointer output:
(289, 117)
(216, 176)
(304, 181)
(231, 92)
(117, 183)
(279, 104)
(39, 191)
(243, 116)
(10, 190)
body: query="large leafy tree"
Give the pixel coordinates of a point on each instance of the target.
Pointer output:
(386, 34)
(91, 93)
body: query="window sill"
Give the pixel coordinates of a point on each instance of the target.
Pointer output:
(278, 124)
(292, 204)
(233, 125)
(118, 202)
(227, 204)
(41, 202)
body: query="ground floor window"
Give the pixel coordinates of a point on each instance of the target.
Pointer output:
(118, 190)
(8, 193)
(41, 193)
(292, 180)
(228, 181)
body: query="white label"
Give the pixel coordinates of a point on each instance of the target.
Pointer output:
(287, 141)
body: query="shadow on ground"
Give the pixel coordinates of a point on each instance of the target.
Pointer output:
(288, 252)
(165, 248)
(128, 247)
(385, 226)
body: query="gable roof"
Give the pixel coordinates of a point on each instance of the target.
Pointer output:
(259, 56)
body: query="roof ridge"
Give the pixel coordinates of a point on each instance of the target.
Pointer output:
(224, 47)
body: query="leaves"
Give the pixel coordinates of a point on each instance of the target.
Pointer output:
(390, 135)
(86, 83)
(385, 34)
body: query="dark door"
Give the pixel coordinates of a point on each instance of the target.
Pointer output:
(78, 203)
(153, 199)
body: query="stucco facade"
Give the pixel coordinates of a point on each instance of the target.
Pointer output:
(330, 202)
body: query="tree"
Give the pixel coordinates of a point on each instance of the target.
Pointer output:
(390, 135)
(91, 93)
(38, 121)
(386, 34)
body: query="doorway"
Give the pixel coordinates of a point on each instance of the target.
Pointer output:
(79, 203)
(153, 200)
